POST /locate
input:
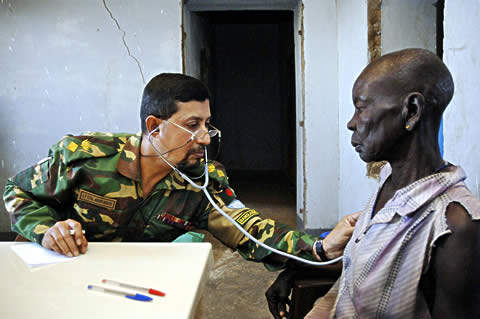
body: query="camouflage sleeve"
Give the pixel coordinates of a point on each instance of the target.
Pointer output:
(34, 196)
(268, 231)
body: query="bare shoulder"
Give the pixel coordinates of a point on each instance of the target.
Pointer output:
(459, 220)
(464, 234)
(451, 286)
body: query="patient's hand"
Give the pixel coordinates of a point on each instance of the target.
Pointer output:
(278, 293)
(338, 238)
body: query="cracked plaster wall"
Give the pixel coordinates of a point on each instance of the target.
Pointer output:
(65, 69)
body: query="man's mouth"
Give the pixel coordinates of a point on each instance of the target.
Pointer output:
(356, 145)
(197, 153)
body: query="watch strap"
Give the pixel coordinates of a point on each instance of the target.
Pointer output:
(319, 250)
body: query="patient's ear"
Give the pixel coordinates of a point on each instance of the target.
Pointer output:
(413, 106)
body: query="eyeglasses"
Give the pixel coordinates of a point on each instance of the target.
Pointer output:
(212, 131)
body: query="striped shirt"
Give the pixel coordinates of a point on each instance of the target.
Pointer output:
(387, 255)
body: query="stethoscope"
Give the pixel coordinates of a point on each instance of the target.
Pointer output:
(230, 219)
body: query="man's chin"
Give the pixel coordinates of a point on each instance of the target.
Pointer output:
(369, 157)
(189, 164)
(364, 158)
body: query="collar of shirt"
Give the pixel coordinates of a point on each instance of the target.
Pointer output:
(129, 162)
(413, 196)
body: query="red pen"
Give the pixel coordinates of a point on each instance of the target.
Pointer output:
(149, 290)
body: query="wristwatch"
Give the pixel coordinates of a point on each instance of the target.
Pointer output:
(319, 250)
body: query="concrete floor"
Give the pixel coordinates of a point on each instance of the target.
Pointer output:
(236, 287)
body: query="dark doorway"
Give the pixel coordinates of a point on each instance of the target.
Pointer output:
(249, 65)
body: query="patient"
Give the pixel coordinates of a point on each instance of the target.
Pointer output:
(415, 248)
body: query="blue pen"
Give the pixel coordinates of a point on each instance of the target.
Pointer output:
(138, 297)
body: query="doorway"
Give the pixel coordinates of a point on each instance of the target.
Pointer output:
(247, 59)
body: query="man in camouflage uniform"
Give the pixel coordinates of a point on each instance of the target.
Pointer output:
(121, 187)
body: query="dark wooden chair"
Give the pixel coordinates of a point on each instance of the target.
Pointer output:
(311, 284)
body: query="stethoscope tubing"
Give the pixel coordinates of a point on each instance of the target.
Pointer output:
(230, 219)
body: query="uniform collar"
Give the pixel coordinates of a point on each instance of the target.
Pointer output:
(129, 162)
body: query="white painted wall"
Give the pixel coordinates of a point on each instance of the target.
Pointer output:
(462, 56)
(300, 106)
(354, 187)
(64, 69)
(408, 24)
(321, 114)
(336, 50)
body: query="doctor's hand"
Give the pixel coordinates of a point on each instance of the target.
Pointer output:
(58, 238)
(335, 242)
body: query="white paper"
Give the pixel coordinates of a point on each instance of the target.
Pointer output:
(35, 255)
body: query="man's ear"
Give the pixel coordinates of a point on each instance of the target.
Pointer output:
(152, 122)
(413, 105)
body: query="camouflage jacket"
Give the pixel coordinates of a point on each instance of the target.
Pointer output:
(95, 179)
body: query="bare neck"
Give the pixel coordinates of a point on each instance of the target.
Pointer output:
(417, 158)
(412, 159)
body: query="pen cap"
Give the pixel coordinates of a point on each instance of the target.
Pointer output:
(156, 292)
(140, 297)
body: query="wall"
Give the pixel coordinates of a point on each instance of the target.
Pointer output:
(354, 187)
(298, 44)
(408, 24)
(462, 55)
(196, 39)
(321, 114)
(65, 70)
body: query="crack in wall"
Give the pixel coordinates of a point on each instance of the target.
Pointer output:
(123, 40)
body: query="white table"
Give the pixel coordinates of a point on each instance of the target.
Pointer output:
(60, 290)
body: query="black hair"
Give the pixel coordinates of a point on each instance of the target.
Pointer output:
(162, 93)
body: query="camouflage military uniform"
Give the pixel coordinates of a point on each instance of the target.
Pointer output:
(95, 179)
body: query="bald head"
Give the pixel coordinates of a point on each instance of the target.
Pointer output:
(412, 70)
(399, 100)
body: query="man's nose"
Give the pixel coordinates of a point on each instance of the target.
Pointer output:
(351, 125)
(202, 137)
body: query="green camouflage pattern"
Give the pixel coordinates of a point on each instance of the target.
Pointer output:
(95, 179)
